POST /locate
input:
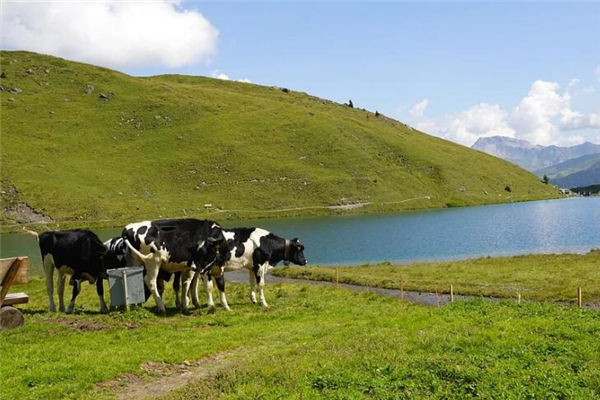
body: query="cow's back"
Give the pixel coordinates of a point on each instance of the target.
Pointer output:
(179, 237)
(79, 249)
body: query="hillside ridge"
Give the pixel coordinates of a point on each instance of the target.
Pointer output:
(87, 145)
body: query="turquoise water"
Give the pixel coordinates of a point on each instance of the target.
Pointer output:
(553, 226)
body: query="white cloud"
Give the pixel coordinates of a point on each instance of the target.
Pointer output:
(466, 126)
(219, 75)
(543, 116)
(533, 118)
(418, 109)
(572, 83)
(574, 120)
(111, 33)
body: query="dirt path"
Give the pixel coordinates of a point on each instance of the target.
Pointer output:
(426, 298)
(162, 378)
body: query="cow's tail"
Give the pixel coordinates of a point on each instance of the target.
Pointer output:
(37, 236)
(137, 252)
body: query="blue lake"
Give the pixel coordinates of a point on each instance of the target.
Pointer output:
(553, 226)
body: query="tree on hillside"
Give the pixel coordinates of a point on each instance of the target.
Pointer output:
(545, 179)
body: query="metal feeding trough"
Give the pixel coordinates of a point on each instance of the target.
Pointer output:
(126, 286)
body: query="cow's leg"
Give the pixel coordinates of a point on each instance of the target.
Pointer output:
(208, 285)
(61, 291)
(176, 284)
(100, 291)
(221, 286)
(260, 279)
(76, 289)
(152, 267)
(252, 286)
(194, 290)
(186, 280)
(49, 272)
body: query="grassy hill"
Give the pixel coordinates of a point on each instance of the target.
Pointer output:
(168, 145)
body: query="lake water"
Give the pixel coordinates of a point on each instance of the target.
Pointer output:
(553, 226)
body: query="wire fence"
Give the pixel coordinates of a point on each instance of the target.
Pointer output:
(447, 292)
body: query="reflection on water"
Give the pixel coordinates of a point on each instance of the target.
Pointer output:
(553, 226)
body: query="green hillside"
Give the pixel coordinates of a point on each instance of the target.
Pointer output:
(169, 145)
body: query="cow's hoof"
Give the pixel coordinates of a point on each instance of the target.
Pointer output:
(69, 311)
(104, 310)
(227, 308)
(162, 312)
(61, 309)
(211, 310)
(186, 311)
(196, 304)
(53, 309)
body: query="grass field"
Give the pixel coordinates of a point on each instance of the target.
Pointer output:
(168, 145)
(314, 342)
(548, 277)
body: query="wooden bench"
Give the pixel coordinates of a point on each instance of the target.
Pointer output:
(13, 271)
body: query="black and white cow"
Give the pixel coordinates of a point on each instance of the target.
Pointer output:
(78, 253)
(173, 245)
(258, 251)
(118, 256)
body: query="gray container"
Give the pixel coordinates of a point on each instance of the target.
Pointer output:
(126, 286)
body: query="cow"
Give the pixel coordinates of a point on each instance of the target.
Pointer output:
(78, 253)
(118, 255)
(173, 245)
(255, 249)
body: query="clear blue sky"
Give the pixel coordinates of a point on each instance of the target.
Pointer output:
(389, 56)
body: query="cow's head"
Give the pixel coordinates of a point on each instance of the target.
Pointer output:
(208, 250)
(294, 252)
(116, 253)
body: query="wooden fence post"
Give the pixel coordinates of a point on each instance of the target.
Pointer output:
(402, 289)
(518, 297)
(337, 277)
(579, 298)
(451, 294)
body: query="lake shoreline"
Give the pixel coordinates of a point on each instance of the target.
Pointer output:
(351, 209)
(442, 235)
(539, 277)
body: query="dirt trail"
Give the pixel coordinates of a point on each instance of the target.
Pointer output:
(165, 377)
(426, 298)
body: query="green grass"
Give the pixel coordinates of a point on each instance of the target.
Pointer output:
(314, 342)
(167, 145)
(548, 277)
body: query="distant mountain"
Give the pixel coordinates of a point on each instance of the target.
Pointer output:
(529, 156)
(569, 167)
(587, 177)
